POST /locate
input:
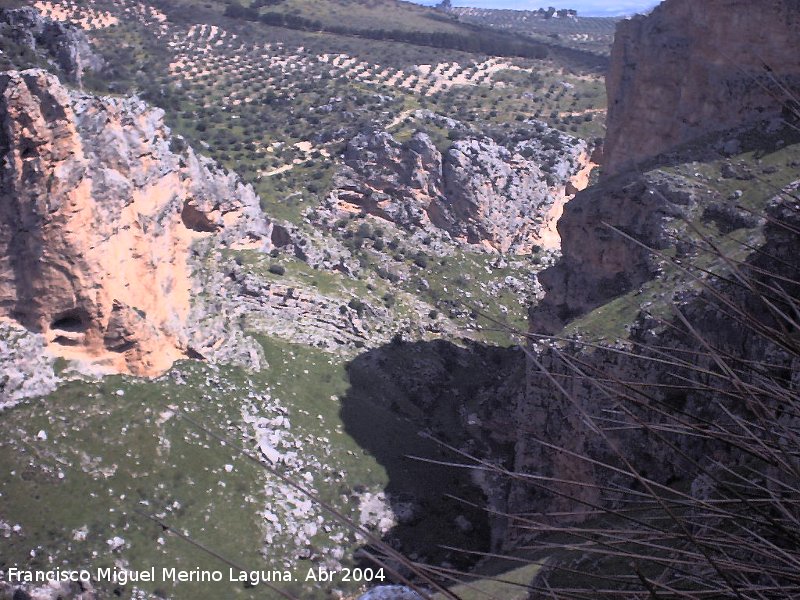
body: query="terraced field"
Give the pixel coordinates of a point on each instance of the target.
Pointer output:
(276, 105)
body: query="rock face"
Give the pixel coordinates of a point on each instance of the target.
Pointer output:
(97, 221)
(63, 44)
(568, 410)
(477, 192)
(692, 67)
(686, 70)
(599, 263)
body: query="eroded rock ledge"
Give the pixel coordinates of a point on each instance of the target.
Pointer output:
(63, 45)
(98, 216)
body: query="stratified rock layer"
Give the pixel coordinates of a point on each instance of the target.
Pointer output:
(97, 219)
(692, 67)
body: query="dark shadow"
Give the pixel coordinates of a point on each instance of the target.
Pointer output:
(74, 320)
(462, 396)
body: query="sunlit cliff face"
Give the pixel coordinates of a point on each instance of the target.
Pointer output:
(97, 218)
(712, 45)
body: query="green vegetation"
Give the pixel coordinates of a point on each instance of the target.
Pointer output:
(95, 457)
(385, 20)
(509, 585)
(364, 15)
(750, 180)
(589, 34)
(278, 105)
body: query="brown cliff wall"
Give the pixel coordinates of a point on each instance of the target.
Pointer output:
(695, 66)
(688, 69)
(97, 219)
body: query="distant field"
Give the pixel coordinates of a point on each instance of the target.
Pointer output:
(591, 34)
(365, 14)
(384, 19)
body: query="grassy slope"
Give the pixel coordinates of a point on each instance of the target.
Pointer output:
(590, 34)
(772, 165)
(107, 455)
(374, 19)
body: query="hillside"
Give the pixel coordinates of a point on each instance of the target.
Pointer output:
(379, 229)
(358, 286)
(560, 29)
(384, 19)
(363, 15)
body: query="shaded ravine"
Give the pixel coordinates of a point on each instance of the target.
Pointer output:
(458, 395)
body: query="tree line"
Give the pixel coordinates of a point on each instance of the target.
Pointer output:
(480, 42)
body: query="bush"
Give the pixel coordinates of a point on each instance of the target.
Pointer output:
(357, 305)
(276, 269)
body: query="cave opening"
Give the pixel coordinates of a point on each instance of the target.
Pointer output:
(74, 321)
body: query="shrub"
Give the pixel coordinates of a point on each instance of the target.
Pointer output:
(357, 305)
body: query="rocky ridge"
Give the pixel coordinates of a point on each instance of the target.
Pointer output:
(598, 263)
(476, 192)
(693, 67)
(567, 408)
(671, 83)
(63, 45)
(98, 221)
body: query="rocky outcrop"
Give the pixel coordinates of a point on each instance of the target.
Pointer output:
(98, 216)
(692, 67)
(477, 192)
(62, 44)
(593, 411)
(26, 369)
(50, 591)
(640, 396)
(658, 377)
(598, 263)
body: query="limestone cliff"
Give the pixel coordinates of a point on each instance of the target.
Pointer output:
(606, 395)
(25, 34)
(477, 191)
(599, 264)
(692, 67)
(657, 376)
(98, 216)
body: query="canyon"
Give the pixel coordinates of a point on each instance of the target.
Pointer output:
(350, 331)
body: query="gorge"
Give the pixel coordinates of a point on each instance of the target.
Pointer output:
(481, 339)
